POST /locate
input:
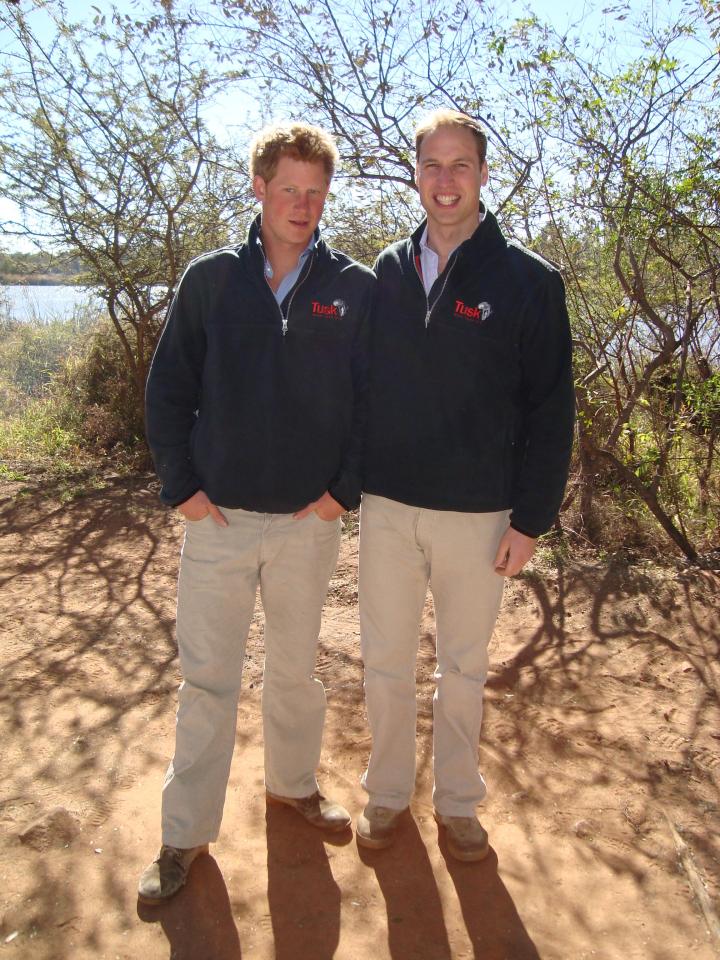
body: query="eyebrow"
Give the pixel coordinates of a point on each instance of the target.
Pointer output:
(289, 182)
(466, 158)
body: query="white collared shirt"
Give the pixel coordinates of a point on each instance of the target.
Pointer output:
(429, 259)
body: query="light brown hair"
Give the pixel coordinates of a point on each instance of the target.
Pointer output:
(451, 118)
(301, 141)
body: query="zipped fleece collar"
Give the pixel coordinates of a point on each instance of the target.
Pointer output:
(486, 239)
(252, 255)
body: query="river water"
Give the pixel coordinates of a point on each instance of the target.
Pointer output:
(45, 303)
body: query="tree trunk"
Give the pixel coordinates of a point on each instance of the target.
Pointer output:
(650, 499)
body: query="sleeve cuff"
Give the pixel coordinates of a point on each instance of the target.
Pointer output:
(342, 498)
(524, 531)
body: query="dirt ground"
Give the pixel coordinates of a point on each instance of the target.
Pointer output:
(600, 745)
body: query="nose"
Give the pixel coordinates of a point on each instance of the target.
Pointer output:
(302, 201)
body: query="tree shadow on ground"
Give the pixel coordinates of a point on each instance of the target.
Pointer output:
(87, 614)
(611, 687)
(86, 619)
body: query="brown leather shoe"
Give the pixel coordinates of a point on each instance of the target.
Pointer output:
(316, 809)
(167, 873)
(376, 826)
(466, 837)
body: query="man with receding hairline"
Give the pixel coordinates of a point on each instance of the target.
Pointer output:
(470, 431)
(255, 419)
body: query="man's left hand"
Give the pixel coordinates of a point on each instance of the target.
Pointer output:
(326, 508)
(514, 551)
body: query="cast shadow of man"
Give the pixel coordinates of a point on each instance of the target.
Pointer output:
(416, 927)
(491, 919)
(198, 921)
(303, 897)
(415, 923)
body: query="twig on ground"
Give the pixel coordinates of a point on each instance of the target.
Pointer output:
(696, 884)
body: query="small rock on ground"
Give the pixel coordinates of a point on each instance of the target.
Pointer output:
(56, 827)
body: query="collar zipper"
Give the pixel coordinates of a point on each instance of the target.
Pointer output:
(284, 317)
(418, 270)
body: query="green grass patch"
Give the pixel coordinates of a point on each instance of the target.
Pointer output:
(9, 475)
(40, 432)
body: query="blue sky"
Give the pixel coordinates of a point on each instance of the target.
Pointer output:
(559, 12)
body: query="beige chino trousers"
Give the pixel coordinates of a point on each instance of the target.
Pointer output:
(220, 569)
(402, 550)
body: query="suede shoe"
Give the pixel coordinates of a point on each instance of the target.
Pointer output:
(316, 809)
(466, 837)
(167, 873)
(376, 826)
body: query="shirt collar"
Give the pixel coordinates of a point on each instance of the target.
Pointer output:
(424, 238)
(301, 259)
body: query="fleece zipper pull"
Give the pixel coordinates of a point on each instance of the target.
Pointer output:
(418, 270)
(285, 317)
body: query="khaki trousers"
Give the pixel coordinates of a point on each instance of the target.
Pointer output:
(402, 549)
(220, 570)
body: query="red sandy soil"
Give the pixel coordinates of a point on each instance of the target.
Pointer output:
(600, 745)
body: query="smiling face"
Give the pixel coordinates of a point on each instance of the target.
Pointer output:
(292, 203)
(449, 176)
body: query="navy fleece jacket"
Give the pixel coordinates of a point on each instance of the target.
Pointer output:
(262, 406)
(471, 395)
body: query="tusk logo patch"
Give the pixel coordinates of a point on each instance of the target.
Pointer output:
(338, 308)
(478, 314)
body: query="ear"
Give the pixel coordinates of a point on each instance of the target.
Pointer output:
(259, 187)
(483, 173)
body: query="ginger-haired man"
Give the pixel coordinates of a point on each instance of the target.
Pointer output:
(255, 418)
(470, 431)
